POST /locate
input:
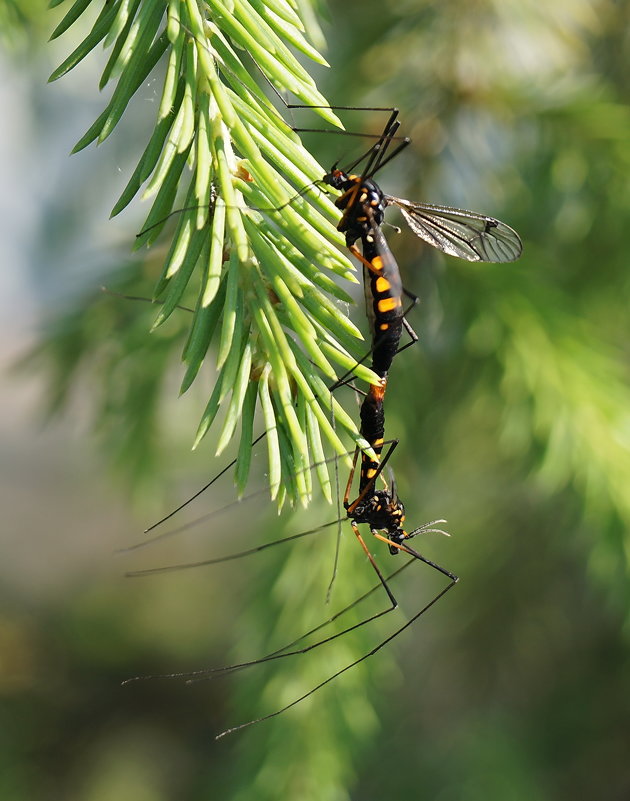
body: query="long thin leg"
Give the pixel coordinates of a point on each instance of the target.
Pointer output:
(140, 298)
(339, 526)
(344, 379)
(373, 153)
(406, 141)
(206, 673)
(376, 160)
(223, 67)
(346, 495)
(317, 183)
(374, 650)
(230, 557)
(394, 113)
(218, 511)
(266, 210)
(206, 486)
(406, 549)
(370, 485)
(190, 524)
(199, 492)
(388, 137)
(342, 108)
(283, 652)
(388, 126)
(413, 337)
(334, 617)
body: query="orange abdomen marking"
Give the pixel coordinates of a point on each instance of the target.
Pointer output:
(377, 263)
(388, 304)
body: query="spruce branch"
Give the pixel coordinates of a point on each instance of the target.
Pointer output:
(248, 246)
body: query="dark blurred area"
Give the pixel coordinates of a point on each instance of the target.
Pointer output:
(512, 413)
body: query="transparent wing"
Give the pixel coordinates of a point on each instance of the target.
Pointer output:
(460, 233)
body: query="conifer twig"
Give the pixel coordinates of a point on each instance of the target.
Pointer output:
(251, 251)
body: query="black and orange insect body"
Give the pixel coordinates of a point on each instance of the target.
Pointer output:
(384, 306)
(381, 509)
(362, 202)
(373, 429)
(383, 300)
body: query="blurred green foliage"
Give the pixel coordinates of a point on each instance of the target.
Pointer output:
(21, 20)
(513, 418)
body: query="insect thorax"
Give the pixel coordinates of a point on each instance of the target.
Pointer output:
(369, 193)
(381, 512)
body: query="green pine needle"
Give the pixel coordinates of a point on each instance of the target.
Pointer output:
(257, 255)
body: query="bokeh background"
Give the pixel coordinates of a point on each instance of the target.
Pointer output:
(513, 414)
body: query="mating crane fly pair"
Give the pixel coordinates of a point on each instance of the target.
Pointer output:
(456, 232)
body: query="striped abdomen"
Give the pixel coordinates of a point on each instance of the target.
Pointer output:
(383, 293)
(373, 429)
